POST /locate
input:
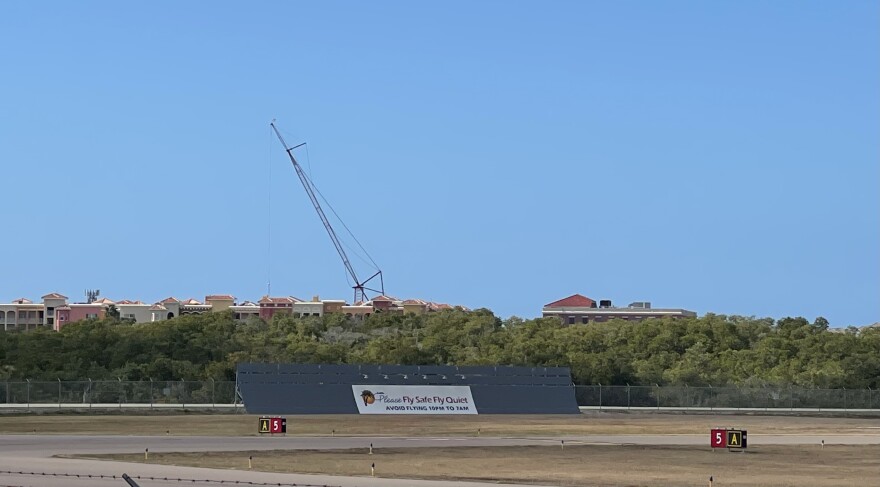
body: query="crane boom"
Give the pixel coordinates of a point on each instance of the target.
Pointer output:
(359, 287)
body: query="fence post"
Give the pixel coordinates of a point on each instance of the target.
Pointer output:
(213, 386)
(687, 396)
(870, 398)
(151, 393)
(627, 396)
(28, 394)
(844, 399)
(600, 396)
(90, 393)
(658, 395)
(59, 393)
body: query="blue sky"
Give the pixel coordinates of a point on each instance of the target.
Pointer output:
(717, 156)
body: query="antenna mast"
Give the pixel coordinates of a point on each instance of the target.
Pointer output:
(360, 287)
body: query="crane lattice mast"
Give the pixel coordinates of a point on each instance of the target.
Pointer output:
(360, 287)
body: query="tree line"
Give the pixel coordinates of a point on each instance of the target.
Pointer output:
(714, 350)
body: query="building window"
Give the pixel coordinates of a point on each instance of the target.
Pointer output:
(571, 320)
(90, 316)
(584, 319)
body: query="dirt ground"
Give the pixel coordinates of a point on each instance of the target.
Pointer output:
(588, 465)
(374, 425)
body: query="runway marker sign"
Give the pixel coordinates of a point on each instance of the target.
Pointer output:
(273, 425)
(728, 438)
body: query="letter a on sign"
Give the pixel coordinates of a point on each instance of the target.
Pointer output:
(734, 439)
(264, 425)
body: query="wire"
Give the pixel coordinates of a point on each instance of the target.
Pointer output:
(269, 220)
(376, 266)
(164, 479)
(349, 247)
(308, 160)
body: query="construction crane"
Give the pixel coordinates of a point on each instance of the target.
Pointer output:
(360, 287)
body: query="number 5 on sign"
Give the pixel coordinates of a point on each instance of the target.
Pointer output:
(718, 438)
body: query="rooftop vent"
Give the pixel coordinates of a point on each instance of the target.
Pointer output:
(604, 303)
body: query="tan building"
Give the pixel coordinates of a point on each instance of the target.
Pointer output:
(220, 302)
(136, 311)
(333, 305)
(51, 302)
(415, 306)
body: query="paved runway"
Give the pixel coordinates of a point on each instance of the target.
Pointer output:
(34, 453)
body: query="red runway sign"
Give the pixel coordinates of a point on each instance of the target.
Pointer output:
(718, 438)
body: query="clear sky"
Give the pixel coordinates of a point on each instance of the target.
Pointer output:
(716, 156)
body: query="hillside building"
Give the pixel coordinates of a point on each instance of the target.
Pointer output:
(579, 309)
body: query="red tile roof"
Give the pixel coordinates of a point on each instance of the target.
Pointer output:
(170, 300)
(157, 307)
(191, 302)
(573, 301)
(278, 300)
(22, 301)
(54, 296)
(219, 297)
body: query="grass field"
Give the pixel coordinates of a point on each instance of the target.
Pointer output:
(595, 465)
(500, 425)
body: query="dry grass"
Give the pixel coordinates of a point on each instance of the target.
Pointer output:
(500, 425)
(595, 465)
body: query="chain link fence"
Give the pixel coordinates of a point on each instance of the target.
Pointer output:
(725, 397)
(87, 393)
(209, 393)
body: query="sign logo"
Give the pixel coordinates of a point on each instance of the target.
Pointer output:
(368, 397)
